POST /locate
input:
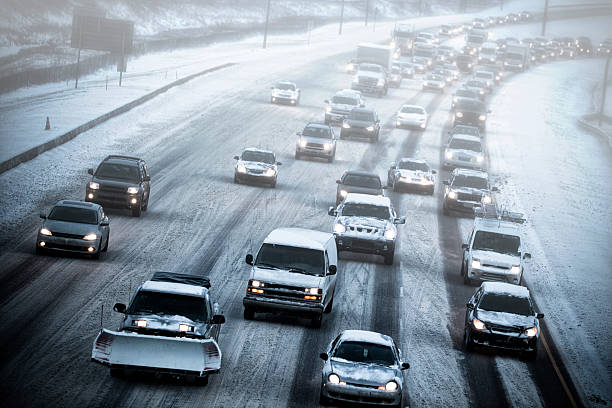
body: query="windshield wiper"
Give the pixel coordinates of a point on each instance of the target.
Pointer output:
(299, 270)
(266, 265)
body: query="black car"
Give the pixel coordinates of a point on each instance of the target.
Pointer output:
(357, 181)
(472, 112)
(74, 226)
(465, 190)
(584, 46)
(463, 93)
(120, 182)
(465, 63)
(362, 122)
(502, 315)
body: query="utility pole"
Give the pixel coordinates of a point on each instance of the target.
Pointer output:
(501, 5)
(265, 40)
(545, 17)
(367, 11)
(341, 18)
(603, 91)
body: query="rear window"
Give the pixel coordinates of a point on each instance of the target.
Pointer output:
(361, 181)
(412, 109)
(74, 214)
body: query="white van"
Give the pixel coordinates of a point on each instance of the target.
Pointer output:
(488, 53)
(294, 271)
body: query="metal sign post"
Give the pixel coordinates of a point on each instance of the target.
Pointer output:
(603, 91)
(265, 39)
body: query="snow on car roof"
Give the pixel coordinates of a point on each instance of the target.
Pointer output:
(176, 288)
(367, 337)
(285, 82)
(74, 203)
(462, 136)
(255, 149)
(298, 237)
(499, 226)
(470, 172)
(350, 92)
(503, 288)
(412, 160)
(412, 106)
(357, 198)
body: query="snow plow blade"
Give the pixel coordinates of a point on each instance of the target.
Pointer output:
(172, 355)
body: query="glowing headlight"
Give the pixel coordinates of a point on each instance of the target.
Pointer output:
(370, 128)
(531, 332)
(343, 193)
(478, 325)
(390, 234)
(487, 199)
(506, 63)
(93, 185)
(449, 155)
(391, 386)
(520, 65)
(476, 264)
(355, 78)
(381, 82)
(346, 125)
(328, 109)
(516, 269)
(302, 143)
(428, 62)
(313, 291)
(350, 67)
(452, 195)
(481, 92)
(241, 169)
(333, 379)
(479, 159)
(327, 146)
(270, 172)
(459, 114)
(339, 228)
(44, 231)
(132, 190)
(185, 328)
(257, 284)
(90, 237)
(455, 99)
(139, 323)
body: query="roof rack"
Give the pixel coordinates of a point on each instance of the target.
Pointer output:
(118, 156)
(194, 280)
(492, 211)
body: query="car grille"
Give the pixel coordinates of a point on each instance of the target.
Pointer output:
(66, 247)
(367, 81)
(493, 277)
(463, 157)
(255, 171)
(468, 197)
(503, 329)
(367, 230)
(360, 398)
(503, 268)
(340, 111)
(64, 235)
(315, 146)
(284, 292)
(113, 189)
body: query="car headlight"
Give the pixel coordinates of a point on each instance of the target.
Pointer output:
(350, 67)
(449, 155)
(241, 168)
(333, 379)
(381, 82)
(428, 62)
(516, 269)
(355, 78)
(455, 99)
(257, 284)
(302, 143)
(478, 325)
(343, 193)
(44, 231)
(328, 109)
(481, 92)
(90, 237)
(459, 114)
(452, 194)
(531, 332)
(313, 291)
(339, 229)
(520, 65)
(270, 172)
(94, 186)
(185, 328)
(479, 159)
(346, 125)
(391, 386)
(390, 234)
(370, 128)
(476, 264)
(506, 63)
(139, 323)
(327, 146)
(132, 190)
(487, 199)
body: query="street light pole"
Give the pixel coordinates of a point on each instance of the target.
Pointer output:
(603, 91)
(341, 18)
(367, 11)
(265, 39)
(545, 17)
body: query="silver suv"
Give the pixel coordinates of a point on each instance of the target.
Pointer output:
(341, 104)
(316, 140)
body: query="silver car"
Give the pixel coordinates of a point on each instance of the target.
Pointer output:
(464, 151)
(316, 140)
(256, 165)
(363, 367)
(74, 226)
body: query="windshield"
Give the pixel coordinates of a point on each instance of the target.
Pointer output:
(362, 115)
(471, 182)
(302, 260)
(471, 105)
(344, 100)
(169, 304)
(322, 133)
(118, 171)
(496, 302)
(433, 77)
(74, 214)
(255, 156)
(365, 210)
(368, 353)
(361, 181)
(464, 58)
(518, 56)
(493, 241)
(412, 109)
(285, 87)
(475, 39)
(487, 51)
(410, 165)
(465, 145)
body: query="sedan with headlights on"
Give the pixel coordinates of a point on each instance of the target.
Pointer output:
(466, 190)
(363, 367)
(256, 165)
(74, 226)
(411, 174)
(464, 151)
(413, 116)
(434, 82)
(316, 140)
(285, 92)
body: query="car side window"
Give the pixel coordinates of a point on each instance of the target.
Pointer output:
(333, 344)
(326, 262)
(144, 167)
(476, 297)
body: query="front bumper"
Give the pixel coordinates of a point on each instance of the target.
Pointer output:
(411, 184)
(283, 99)
(363, 245)
(263, 303)
(433, 87)
(451, 163)
(370, 89)
(254, 178)
(493, 274)
(314, 151)
(72, 245)
(112, 200)
(361, 394)
(461, 206)
(413, 123)
(504, 340)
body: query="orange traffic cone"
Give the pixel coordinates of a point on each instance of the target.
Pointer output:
(48, 124)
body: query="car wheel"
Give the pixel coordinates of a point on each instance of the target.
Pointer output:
(468, 344)
(445, 210)
(466, 279)
(431, 191)
(326, 121)
(273, 184)
(249, 314)
(463, 267)
(531, 355)
(316, 320)
(39, 250)
(342, 136)
(330, 306)
(117, 372)
(236, 181)
(96, 255)
(105, 249)
(331, 158)
(395, 187)
(297, 156)
(389, 258)
(136, 211)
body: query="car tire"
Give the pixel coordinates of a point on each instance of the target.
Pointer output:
(117, 372)
(326, 121)
(468, 344)
(297, 156)
(389, 258)
(431, 191)
(331, 158)
(445, 210)
(96, 255)
(39, 250)
(136, 211)
(467, 280)
(395, 187)
(273, 184)
(531, 355)
(236, 181)
(105, 249)
(462, 267)
(316, 320)
(248, 314)
(145, 207)
(330, 306)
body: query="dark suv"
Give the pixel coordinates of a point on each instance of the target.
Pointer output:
(471, 112)
(361, 122)
(357, 181)
(120, 182)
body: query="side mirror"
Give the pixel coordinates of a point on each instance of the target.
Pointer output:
(400, 220)
(279, 163)
(324, 356)
(333, 269)
(43, 215)
(405, 366)
(146, 178)
(326, 101)
(338, 181)
(119, 308)
(469, 306)
(434, 172)
(249, 259)
(90, 171)
(332, 211)
(385, 187)
(105, 222)
(526, 255)
(218, 319)
(464, 246)
(236, 158)
(494, 189)
(540, 315)
(446, 183)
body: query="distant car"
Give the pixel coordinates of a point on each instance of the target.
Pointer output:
(466, 190)
(362, 366)
(361, 122)
(453, 69)
(366, 224)
(448, 75)
(472, 112)
(352, 66)
(487, 76)
(434, 82)
(357, 181)
(477, 85)
(450, 52)
(479, 23)
(120, 182)
(411, 174)
(285, 92)
(465, 62)
(500, 20)
(316, 140)
(421, 64)
(512, 18)
(496, 71)
(605, 47)
(395, 77)
(412, 116)
(524, 15)
(257, 166)
(463, 93)
(539, 55)
(341, 104)
(584, 46)
(464, 151)
(74, 226)
(407, 69)
(502, 315)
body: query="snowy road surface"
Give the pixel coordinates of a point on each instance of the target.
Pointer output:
(199, 222)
